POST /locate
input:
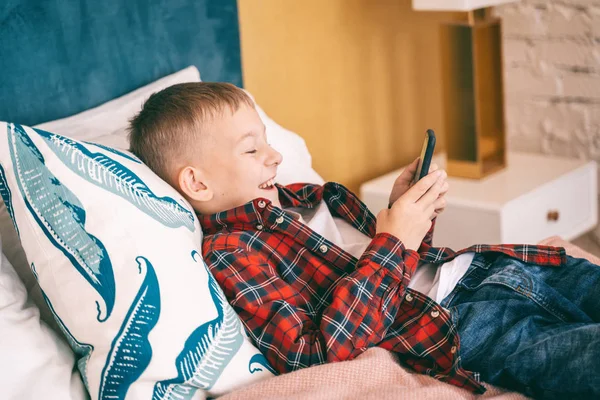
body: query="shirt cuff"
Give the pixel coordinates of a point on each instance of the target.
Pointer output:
(388, 251)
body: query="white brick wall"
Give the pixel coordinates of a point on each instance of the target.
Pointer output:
(552, 76)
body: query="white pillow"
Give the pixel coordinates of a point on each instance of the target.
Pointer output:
(116, 252)
(107, 125)
(35, 364)
(297, 161)
(104, 124)
(111, 118)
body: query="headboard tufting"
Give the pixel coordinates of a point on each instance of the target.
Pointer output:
(60, 57)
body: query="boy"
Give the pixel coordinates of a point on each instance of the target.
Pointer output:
(316, 278)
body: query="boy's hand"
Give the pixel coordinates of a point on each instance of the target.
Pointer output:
(441, 204)
(410, 217)
(405, 180)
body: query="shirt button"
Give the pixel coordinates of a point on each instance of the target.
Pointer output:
(435, 314)
(259, 227)
(453, 349)
(279, 220)
(323, 248)
(262, 204)
(409, 297)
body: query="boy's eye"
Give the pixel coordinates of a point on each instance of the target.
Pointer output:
(251, 151)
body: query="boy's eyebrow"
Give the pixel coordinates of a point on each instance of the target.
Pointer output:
(246, 135)
(251, 133)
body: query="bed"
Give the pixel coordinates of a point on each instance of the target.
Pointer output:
(77, 68)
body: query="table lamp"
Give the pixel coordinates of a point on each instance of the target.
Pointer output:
(471, 64)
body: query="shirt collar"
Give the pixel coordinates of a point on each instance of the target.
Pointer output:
(255, 212)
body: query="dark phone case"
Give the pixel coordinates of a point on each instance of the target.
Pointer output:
(428, 153)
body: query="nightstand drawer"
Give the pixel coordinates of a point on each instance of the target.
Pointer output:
(564, 207)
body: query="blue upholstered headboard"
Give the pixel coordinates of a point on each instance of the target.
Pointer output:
(60, 57)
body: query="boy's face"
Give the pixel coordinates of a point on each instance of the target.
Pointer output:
(237, 163)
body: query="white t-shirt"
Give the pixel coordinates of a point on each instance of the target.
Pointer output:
(430, 279)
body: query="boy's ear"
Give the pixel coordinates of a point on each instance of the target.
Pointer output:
(192, 183)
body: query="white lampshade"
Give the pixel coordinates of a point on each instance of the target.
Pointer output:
(455, 5)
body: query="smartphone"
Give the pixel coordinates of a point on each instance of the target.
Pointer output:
(426, 154)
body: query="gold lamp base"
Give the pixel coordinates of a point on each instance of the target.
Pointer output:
(473, 95)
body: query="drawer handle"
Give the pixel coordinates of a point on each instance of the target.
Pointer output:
(553, 215)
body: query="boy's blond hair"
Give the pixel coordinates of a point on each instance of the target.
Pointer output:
(171, 121)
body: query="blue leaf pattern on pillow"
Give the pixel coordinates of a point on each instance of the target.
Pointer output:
(259, 363)
(207, 351)
(113, 176)
(7, 197)
(82, 351)
(117, 152)
(131, 352)
(61, 217)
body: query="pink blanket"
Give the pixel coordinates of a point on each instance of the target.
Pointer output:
(373, 375)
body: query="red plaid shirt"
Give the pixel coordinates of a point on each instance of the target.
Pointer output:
(305, 301)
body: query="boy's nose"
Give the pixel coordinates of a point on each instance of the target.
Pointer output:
(275, 157)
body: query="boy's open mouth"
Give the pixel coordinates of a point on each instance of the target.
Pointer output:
(267, 184)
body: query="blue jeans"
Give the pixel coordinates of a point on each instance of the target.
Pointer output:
(529, 328)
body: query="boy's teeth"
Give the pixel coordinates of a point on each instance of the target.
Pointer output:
(267, 184)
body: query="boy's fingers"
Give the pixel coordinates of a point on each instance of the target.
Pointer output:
(439, 203)
(421, 187)
(409, 172)
(433, 193)
(445, 188)
(412, 167)
(431, 211)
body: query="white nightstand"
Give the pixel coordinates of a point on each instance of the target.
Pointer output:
(534, 197)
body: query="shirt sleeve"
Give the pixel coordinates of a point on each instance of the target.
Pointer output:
(284, 324)
(428, 239)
